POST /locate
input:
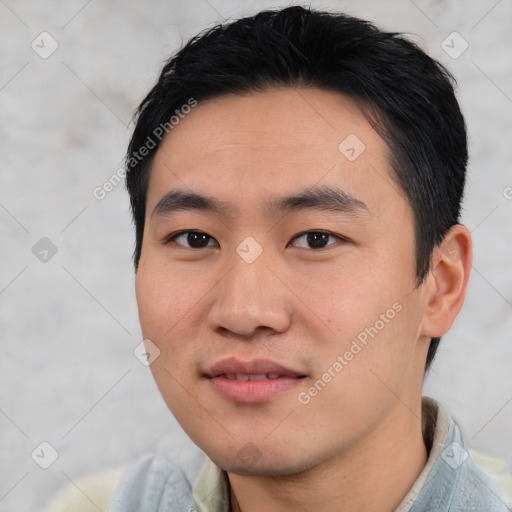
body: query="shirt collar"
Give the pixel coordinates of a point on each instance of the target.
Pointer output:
(211, 491)
(436, 423)
(435, 483)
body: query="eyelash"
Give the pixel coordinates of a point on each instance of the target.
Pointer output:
(173, 237)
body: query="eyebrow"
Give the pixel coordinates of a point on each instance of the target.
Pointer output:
(326, 198)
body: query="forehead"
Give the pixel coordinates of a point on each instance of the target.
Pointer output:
(256, 145)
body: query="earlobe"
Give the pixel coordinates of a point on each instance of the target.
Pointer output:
(448, 281)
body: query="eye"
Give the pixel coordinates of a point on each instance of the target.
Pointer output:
(316, 239)
(194, 239)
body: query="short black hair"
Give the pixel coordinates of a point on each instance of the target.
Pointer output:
(407, 96)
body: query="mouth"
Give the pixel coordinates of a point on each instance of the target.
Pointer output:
(256, 381)
(246, 376)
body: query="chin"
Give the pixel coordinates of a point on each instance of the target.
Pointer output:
(249, 461)
(260, 469)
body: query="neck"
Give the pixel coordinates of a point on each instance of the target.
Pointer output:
(374, 475)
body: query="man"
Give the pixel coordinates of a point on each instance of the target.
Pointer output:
(296, 180)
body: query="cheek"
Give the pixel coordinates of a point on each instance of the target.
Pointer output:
(171, 310)
(149, 294)
(348, 298)
(164, 298)
(372, 322)
(162, 314)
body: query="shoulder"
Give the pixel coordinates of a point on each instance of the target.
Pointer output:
(477, 488)
(500, 470)
(87, 494)
(452, 479)
(152, 484)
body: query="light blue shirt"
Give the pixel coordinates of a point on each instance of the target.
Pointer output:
(450, 481)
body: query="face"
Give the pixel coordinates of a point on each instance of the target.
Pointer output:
(295, 268)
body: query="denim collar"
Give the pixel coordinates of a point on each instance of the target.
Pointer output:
(450, 480)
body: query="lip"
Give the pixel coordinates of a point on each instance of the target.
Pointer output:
(252, 391)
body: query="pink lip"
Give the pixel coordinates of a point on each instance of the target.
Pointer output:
(251, 391)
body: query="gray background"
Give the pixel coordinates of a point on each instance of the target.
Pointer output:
(69, 325)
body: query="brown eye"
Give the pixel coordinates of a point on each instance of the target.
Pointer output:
(191, 239)
(316, 239)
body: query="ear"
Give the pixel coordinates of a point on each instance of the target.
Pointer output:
(447, 281)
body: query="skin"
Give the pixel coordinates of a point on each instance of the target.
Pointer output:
(357, 444)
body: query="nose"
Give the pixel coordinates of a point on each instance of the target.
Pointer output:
(250, 298)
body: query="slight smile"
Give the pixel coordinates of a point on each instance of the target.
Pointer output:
(255, 381)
